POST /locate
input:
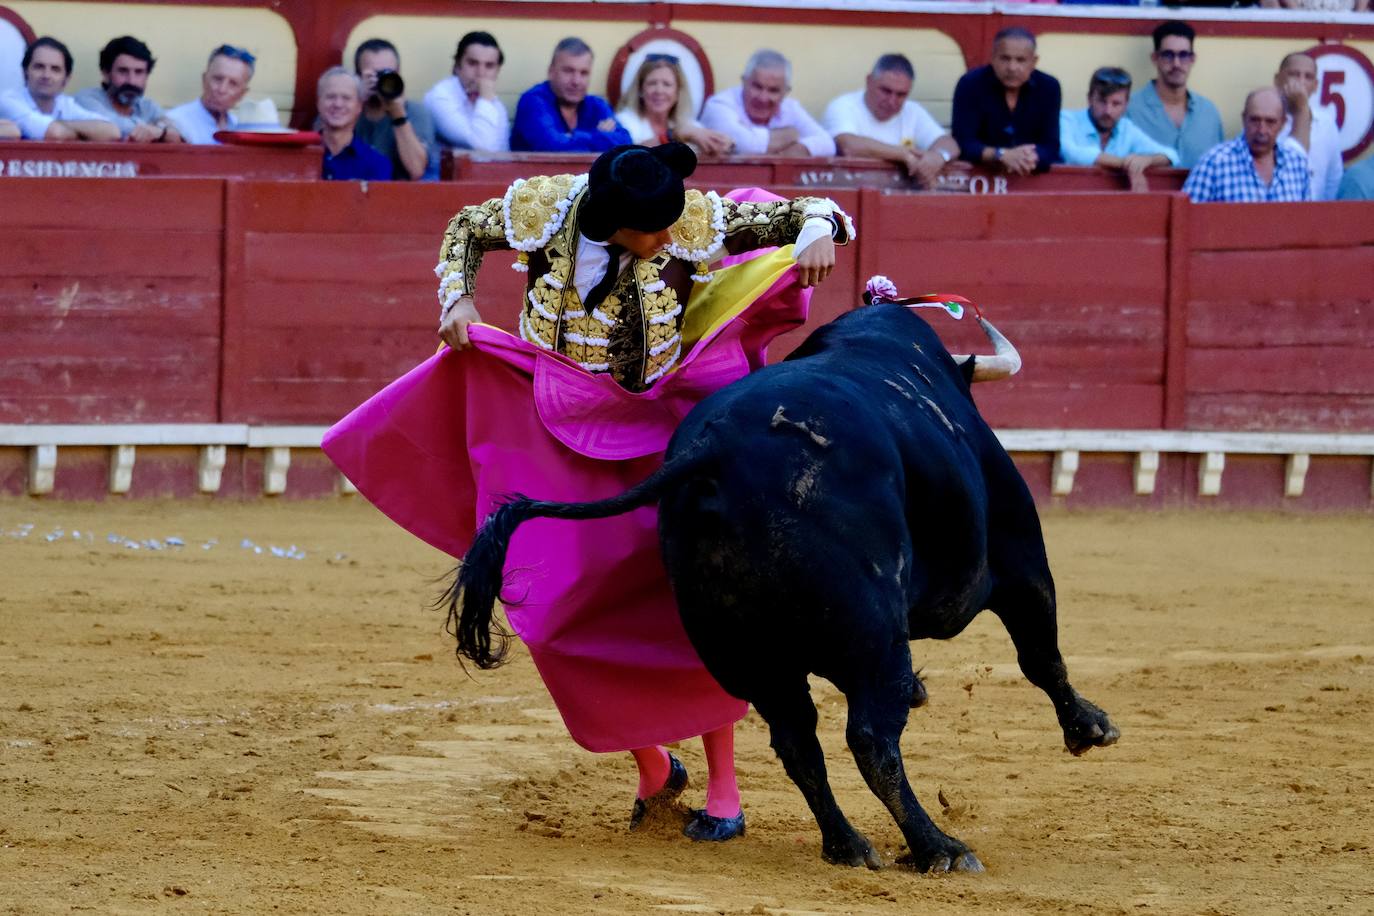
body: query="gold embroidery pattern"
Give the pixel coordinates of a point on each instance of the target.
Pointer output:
(777, 222)
(661, 314)
(537, 208)
(700, 229)
(471, 233)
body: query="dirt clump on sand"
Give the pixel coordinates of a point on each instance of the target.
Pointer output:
(251, 708)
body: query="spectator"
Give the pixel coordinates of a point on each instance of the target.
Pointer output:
(9, 130)
(125, 65)
(1254, 167)
(881, 122)
(1358, 183)
(658, 108)
(399, 130)
(466, 112)
(758, 116)
(1102, 135)
(558, 116)
(1006, 113)
(1317, 6)
(339, 99)
(40, 109)
(223, 85)
(1312, 129)
(1165, 108)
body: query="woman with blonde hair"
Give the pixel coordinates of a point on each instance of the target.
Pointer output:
(658, 108)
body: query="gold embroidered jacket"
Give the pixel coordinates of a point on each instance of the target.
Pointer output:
(634, 333)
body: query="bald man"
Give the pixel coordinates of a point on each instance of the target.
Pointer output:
(1254, 167)
(1309, 127)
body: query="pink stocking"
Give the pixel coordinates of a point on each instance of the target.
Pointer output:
(722, 792)
(653, 769)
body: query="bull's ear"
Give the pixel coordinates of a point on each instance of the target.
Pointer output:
(966, 370)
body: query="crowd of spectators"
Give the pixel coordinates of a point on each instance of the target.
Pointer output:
(1007, 115)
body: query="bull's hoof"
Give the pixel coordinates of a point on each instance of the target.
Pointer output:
(919, 697)
(677, 781)
(1088, 728)
(956, 857)
(853, 851)
(707, 828)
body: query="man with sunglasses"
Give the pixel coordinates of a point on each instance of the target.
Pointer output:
(1165, 108)
(1102, 135)
(223, 85)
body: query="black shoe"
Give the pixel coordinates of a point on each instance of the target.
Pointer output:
(705, 827)
(677, 781)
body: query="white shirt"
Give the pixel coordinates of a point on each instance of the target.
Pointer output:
(464, 124)
(195, 123)
(912, 126)
(724, 112)
(1324, 158)
(19, 106)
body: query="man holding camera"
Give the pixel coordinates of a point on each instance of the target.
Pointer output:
(396, 128)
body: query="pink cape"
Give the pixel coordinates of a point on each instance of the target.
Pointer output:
(438, 448)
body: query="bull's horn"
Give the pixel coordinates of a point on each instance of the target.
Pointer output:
(1005, 361)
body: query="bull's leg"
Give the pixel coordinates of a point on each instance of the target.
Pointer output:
(791, 718)
(1027, 610)
(919, 696)
(877, 716)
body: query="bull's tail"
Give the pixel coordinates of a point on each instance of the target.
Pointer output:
(477, 580)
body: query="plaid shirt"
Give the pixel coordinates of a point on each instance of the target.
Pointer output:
(1226, 173)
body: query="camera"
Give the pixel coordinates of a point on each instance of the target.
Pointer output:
(390, 85)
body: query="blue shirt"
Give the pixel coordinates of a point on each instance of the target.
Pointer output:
(540, 128)
(1358, 183)
(1226, 174)
(356, 161)
(982, 119)
(1199, 132)
(1081, 144)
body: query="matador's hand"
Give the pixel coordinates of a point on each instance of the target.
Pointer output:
(816, 261)
(453, 330)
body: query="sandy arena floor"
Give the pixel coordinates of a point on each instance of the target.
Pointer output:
(221, 730)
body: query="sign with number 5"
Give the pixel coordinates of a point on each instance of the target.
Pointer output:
(1345, 90)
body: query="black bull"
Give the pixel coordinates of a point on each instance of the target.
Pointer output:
(814, 517)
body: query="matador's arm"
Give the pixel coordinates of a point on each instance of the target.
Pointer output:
(471, 233)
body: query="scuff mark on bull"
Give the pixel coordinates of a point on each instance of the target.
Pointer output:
(780, 418)
(804, 483)
(938, 412)
(925, 378)
(897, 388)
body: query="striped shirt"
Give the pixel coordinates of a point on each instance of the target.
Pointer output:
(1226, 173)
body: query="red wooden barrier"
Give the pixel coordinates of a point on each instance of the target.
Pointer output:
(27, 159)
(110, 295)
(1280, 327)
(330, 293)
(289, 302)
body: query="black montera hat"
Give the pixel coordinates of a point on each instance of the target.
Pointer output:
(635, 187)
